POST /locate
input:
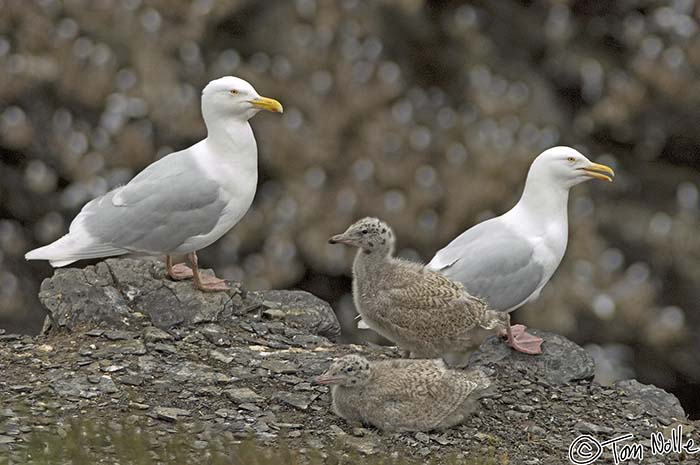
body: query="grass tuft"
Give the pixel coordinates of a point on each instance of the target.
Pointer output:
(84, 442)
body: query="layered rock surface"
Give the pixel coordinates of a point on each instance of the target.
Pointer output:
(123, 345)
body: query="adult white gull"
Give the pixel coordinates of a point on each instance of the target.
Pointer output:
(507, 260)
(183, 202)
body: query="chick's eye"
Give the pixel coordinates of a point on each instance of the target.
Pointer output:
(349, 369)
(364, 231)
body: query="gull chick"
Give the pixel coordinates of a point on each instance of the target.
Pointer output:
(421, 311)
(403, 395)
(183, 202)
(507, 260)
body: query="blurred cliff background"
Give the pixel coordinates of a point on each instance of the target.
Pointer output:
(424, 113)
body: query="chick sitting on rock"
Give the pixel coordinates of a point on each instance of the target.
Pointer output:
(403, 395)
(421, 311)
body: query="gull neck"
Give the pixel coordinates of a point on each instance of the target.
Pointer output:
(542, 201)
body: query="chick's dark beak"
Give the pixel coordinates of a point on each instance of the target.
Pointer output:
(325, 379)
(339, 239)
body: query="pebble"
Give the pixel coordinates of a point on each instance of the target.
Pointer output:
(170, 413)
(587, 427)
(422, 437)
(131, 380)
(153, 334)
(298, 401)
(274, 314)
(513, 415)
(279, 366)
(243, 395)
(139, 406)
(221, 357)
(165, 348)
(117, 335)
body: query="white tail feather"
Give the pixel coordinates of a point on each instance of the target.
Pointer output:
(60, 263)
(67, 250)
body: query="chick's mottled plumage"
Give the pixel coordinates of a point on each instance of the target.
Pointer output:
(403, 395)
(420, 310)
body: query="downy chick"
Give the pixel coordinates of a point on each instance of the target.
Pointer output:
(403, 395)
(419, 310)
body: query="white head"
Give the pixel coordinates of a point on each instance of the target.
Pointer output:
(232, 97)
(566, 167)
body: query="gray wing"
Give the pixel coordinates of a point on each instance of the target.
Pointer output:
(166, 204)
(492, 262)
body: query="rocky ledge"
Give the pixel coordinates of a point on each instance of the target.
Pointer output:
(126, 348)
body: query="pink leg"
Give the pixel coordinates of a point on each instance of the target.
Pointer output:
(177, 272)
(523, 341)
(203, 282)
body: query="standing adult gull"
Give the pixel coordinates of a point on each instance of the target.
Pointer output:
(507, 260)
(182, 202)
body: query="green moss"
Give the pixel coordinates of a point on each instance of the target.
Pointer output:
(83, 442)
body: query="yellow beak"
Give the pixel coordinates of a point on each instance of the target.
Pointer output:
(268, 104)
(598, 171)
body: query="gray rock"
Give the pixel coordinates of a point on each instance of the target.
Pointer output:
(115, 335)
(215, 334)
(131, 380)
(116, 293)
(298, 401)
(588, 427)
(243, 395)
(651, 399)
(279, 366)
(561, 361)
(303, 310)
(75, 297)
(366, 445)
(221, 357)
(153, 334)
(170, 413)
(238, 370)
(119, 293)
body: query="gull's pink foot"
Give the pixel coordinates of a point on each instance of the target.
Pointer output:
(523, 341)
(209, 283)
(180, 272)
(203, 282)
(515, 330)
(527, 343)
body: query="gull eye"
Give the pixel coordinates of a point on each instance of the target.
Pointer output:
(571, 159)
(233, 91)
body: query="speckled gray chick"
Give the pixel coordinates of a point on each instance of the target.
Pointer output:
(403, 395)
(419, 310)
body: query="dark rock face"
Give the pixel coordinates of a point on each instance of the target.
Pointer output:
(303, 310)
(122, 293)
(649, 398)
(561, 360)
(127, 345)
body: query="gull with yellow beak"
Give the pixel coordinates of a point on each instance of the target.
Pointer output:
(181, 203)
(507, 260)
